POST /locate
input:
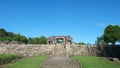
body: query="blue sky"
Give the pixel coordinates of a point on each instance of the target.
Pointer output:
(84, 20)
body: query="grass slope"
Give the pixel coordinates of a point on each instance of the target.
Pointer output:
(33, 62)
(95, 62)
(7, 58)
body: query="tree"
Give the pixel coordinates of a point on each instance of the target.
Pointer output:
(82, 43)
(10, 36)
(24, 39)
(112, 34)
(20, 38)
(43, 40)
(100, 41)
(34, 40)
(3, 33)
(37, 40)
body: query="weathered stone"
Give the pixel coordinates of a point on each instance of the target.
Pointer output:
(34, 50)
(63, 40)
(61, 62)
(116, 60)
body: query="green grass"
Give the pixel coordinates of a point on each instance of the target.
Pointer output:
(33, 62)
(95, 62)
(7, 58)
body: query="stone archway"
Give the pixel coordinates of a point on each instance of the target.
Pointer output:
(59, 40)
(69, 42)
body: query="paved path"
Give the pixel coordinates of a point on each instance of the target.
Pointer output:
(60, 60)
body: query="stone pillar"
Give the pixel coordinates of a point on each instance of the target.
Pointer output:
(48, 42)
(55, 41)
(63, 40)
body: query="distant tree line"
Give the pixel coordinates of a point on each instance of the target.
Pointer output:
(81, 43)
(111, 35)
(7, 37)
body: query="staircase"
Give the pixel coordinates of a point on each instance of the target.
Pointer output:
(59, 51)
(60, 62)
(60, 59)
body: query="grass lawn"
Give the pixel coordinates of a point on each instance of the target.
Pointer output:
(33, 62)
(95, 62)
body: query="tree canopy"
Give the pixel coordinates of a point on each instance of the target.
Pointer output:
(100, 41)
(111, 35)
(6, 36)
(20, 38)
(37, 40)
(3, 33)
(82, 43)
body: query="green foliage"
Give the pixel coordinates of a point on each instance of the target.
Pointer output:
(43, 40)
(112, 34)
(81, 43)
(31, 41)
(20, 38)
(100, 41)
(33, 62)
(3, 33)
(9, 36)
(37, 40)
(7, 58)
(6, 36)
(95, 62)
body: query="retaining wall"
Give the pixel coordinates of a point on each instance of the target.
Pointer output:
(34, 50)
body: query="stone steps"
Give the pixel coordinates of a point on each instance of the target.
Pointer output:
(59, 51)
(60, 62)
(60, 59)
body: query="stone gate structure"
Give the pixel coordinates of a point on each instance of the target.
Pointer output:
(60, 40)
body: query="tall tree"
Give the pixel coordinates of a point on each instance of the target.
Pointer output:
(37, 40)
(10, 36)
(100, 41)
(3, 33)
(20, 38)
(82, 43)
(30, 40)
(112, 34)
(43, 40)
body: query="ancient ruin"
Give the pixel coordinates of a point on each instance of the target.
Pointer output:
(60, 40)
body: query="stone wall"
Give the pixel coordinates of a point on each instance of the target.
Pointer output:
(109, 51)
(34, 50)
(26, 50)
(77, 49)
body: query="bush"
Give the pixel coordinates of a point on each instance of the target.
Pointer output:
(7, 58)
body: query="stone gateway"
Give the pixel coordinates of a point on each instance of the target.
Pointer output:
(60, 40)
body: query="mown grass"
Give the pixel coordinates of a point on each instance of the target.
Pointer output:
(95, 62)
(33, 62)
(7, 58)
